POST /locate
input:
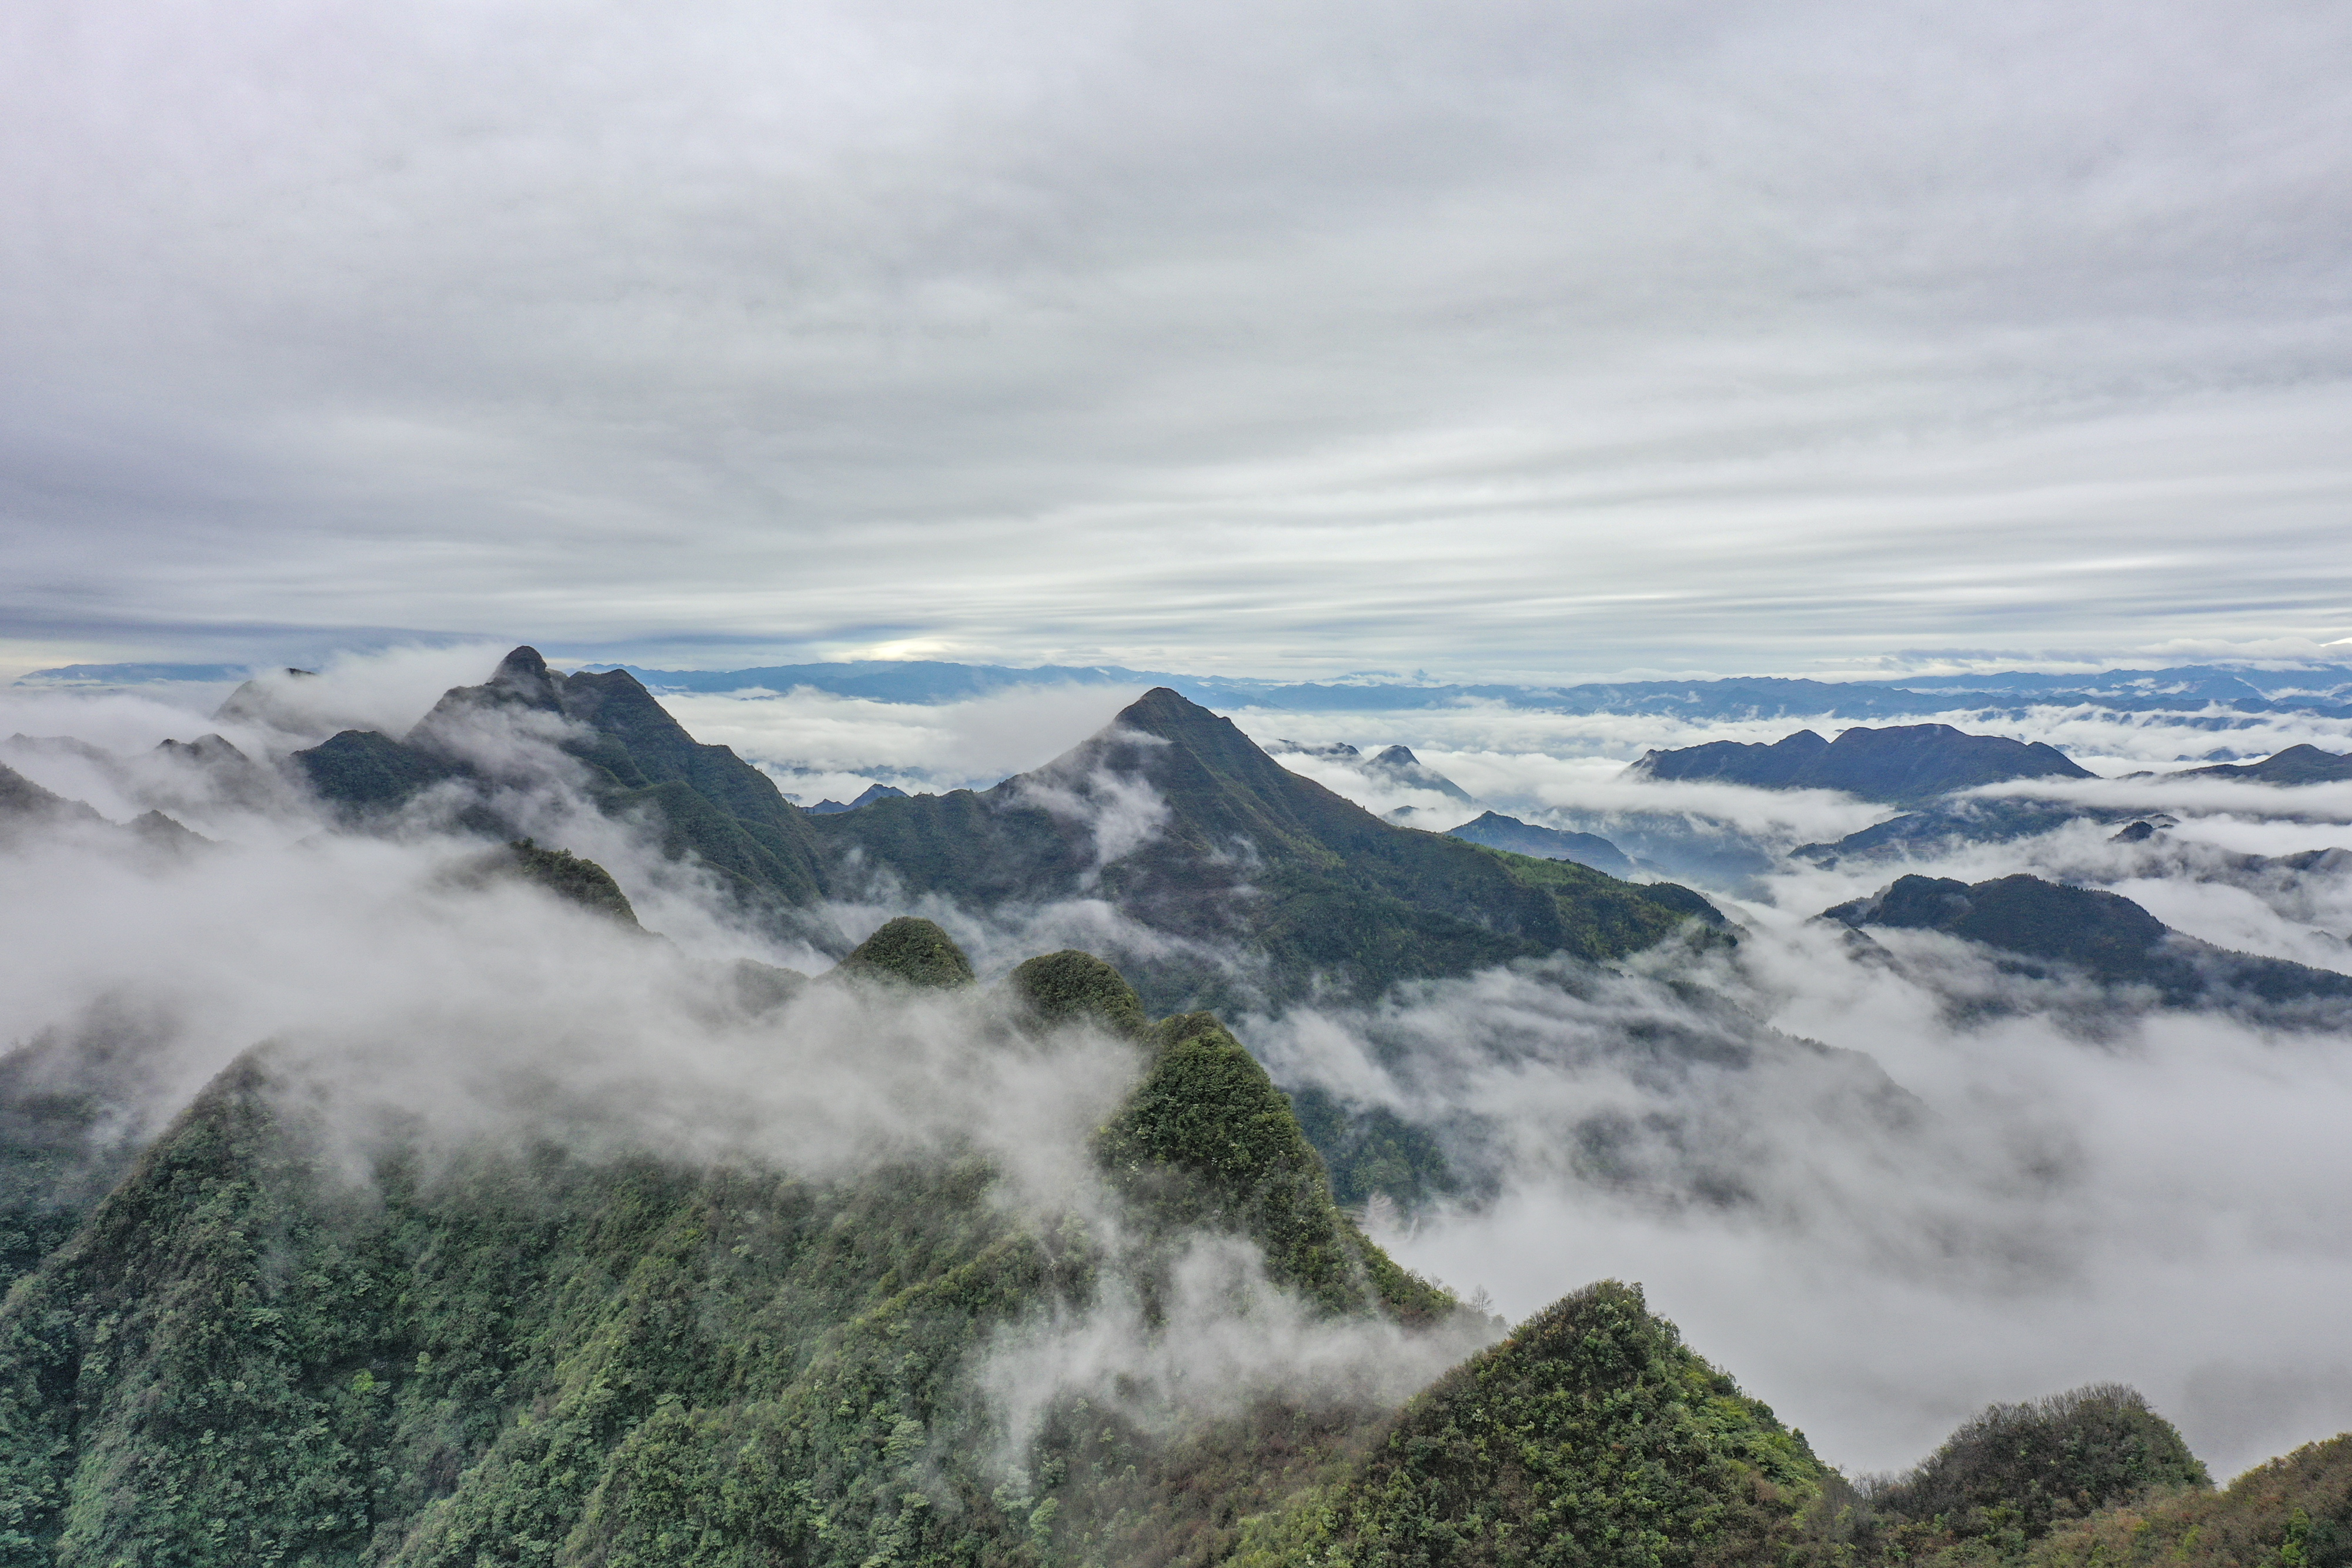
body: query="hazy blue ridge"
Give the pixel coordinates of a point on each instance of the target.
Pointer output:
(2187, 690)
(1902, 764)
(1500, 833)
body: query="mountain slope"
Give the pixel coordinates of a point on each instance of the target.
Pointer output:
(512, 1354)
(1178, 819)
(2294, 1511)
(1497, 832)
(1591, 1436)
(632, 758)
(1171, 814)
(2104, 935)
(2296, 765)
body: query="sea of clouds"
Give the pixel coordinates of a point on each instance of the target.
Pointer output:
(1877, 1198)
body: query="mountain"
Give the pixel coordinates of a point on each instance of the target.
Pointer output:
(871, 793)
(1591, 1425)
(28, 811)
(2294, 1511)
(1497, 832)
(1964, 821)
(2017, 1473)
(2103, 934)
(26, 806)
(1905, 764)
(259, 1339)
(1397, 765)
(634, 759)
(512, 1354)
(509, 1352)
(2296, 765)
(1394, 767)
(1272, 884)
(1178, 820)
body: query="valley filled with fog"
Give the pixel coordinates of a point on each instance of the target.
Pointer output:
(1888, 1180)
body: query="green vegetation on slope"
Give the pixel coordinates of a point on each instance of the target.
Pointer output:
(1207, 1140)
(1299, 887)
(2010, 1477)
(516, 1357)
(2294, 1512)
(2024, 1466)
(911, 952)
(1591, 1436)
(572, 877)
(1309, 889)
(1057, 988)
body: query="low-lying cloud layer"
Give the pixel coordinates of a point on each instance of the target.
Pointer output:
(1878, 1209)
(2159, 1200)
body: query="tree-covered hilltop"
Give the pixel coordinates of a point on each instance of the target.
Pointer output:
(1591, 1436)
(516, 1354)
(1272, 884)
(2294, 1511)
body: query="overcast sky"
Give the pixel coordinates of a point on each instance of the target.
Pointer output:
(1508, 339)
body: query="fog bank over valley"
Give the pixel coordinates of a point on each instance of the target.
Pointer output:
(1888, 1180)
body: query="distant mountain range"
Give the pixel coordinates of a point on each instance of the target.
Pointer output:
(2296, 765)
(1497, 832)
(2185, 690)
(1900, 765)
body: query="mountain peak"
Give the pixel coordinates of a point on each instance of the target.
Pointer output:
(524, 673)
(1166, 713)
(910, 951)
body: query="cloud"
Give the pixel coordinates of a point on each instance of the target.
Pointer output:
(1220, 1340)
(1940, 1210)
(1524, 339)
(813, 741)
(2028, 1211)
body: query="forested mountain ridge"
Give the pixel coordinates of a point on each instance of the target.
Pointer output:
(1171, 814)
(506, 1353)
(274, 1342)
